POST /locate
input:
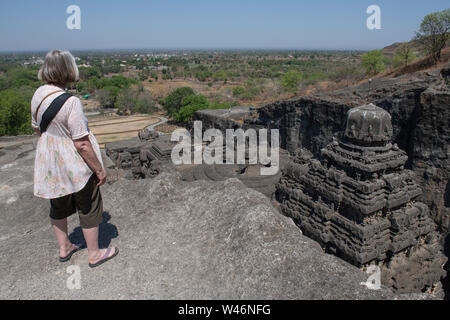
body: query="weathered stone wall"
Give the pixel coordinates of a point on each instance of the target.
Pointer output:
(358, 202)
(419, 106)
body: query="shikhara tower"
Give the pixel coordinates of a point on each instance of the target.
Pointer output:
(358, 201)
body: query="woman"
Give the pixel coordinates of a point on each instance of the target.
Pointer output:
(68, 166)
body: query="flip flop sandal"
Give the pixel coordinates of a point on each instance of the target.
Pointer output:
(67, 258)
(105, 258)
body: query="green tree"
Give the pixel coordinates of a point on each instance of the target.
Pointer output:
(15, 116)
(291, 80)
(373, 62)
(106, 98)
(403, 56)
(126, 100)
(87, 73)
(144, 103)
(194, 103)
(174, 101)
(434, 33)
(190, 105)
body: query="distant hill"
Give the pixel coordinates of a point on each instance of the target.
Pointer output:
(415, 45)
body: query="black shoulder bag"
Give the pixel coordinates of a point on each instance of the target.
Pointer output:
(53, 110)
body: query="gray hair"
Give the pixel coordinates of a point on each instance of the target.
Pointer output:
(59, 68)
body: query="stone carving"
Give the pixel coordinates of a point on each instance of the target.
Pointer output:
(148, 135)
(248, 174)
(143, 155)
(418, 104)
(358, 201)
(368, 124)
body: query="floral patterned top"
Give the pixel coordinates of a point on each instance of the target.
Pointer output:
(59, 170)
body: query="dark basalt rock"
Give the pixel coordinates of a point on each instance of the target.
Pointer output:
(148, 135)
(223, 119)
(419, 107)
(144, 156)
(359, 202)
(249, 175)
(368, 124)
(445, 72)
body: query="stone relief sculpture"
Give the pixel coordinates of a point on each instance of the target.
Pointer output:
(358, 201)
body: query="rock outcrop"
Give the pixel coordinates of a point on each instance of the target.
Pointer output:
(178, 240)
(419, 106)
(358, 202)
(216, 238)
(143, 156)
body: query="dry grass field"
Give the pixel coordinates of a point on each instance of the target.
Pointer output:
(224, 91)
(112, 128)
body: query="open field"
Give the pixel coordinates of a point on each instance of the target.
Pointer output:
(115, 128)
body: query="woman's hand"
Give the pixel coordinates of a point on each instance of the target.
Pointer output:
(101, 177)
(84, 148)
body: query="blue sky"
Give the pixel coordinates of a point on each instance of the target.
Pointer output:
(283, 24)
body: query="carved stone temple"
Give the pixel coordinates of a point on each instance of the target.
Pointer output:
(357, 201)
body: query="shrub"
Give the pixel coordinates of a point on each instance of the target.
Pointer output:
(106, 98)
(135, 100)
(174, 101)
(238, 91)
(194, 103)
(403, 55)
(291, 80)
(15, 116)
(373, 62)
(126, 100)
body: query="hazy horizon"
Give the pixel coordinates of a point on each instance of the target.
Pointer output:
(179, 49)
(322, 25)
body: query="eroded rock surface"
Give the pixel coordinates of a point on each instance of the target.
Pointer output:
(178, 240)
(359, 202)
(419, 106)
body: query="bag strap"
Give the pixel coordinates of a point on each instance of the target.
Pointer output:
(51, 93)
(53, 110)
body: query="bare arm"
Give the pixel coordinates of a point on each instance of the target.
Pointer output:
(84, 148)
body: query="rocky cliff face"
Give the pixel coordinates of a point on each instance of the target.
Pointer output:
(235, 245)
(177, 240)
(419, 105)
(359, 202)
